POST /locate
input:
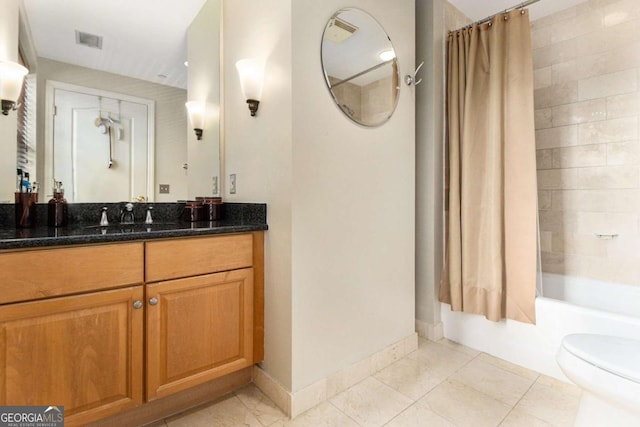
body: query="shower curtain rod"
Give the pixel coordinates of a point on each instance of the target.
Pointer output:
(348, 79)
(488, 18)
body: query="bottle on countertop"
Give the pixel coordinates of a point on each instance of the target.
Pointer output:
(57, 207)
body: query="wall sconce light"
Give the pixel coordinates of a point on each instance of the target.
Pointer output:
(11, 77)
(251, 72)
(196, 110)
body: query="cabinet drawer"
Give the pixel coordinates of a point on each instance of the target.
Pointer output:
(45, 273)
(172, 259)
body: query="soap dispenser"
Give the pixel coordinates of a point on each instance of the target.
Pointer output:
(57, 206)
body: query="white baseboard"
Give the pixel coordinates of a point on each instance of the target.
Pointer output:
(273, 389)
(430, 331)
(294, 404)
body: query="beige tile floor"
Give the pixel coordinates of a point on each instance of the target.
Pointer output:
(440, 384)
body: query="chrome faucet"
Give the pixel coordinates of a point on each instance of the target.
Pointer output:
(103, 217)
(126, 216)
(148, 219)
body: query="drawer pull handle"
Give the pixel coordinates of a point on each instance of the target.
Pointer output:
(153, 301)
(137, 304)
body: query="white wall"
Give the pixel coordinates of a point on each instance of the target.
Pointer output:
(353, 206)
(8, 124)
(429, 142)
(171, 118)
(9, 30)
(340, 245)
(434, 18)
(258, 150)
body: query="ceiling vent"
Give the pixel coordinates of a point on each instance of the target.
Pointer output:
(339, 30)
(89, 40)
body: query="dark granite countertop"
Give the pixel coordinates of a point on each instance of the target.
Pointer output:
(239, 217)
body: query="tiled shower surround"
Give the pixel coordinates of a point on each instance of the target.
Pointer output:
(587, 100)
(370, 103)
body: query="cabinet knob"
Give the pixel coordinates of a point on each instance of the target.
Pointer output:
(137, 304)
(153, 301)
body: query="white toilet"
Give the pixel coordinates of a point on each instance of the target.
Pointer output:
(607, 369)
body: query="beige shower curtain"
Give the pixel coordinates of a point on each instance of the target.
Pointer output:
(491, 245)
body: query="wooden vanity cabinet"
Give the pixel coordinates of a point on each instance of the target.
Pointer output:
(73, 331)
(198, 329)
(83, 352)
(200, 318)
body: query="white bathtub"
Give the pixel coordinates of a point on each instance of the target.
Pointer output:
(568, 305)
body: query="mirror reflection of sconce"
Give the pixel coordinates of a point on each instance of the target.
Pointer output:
(196, 111)
(11, 77)
(251, 72)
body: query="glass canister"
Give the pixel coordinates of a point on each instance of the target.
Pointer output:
(212, 208)
(192, 211)
(57, 207)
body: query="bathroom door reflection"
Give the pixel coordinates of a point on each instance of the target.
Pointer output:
(100, 148)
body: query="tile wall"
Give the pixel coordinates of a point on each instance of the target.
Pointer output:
(370, 103)
(379, 98)
(454, 19)
(587, 100)
(351, 95)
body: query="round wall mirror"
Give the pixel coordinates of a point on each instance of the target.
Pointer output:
(360, 67)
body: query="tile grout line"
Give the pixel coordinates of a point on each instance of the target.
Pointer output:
(477, 357)
(235, 394)
(519, 400)
(415, 402)
(446, 378)
(343, 413)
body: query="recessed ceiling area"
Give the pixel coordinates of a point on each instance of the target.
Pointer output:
(145, 39)
(480, 9)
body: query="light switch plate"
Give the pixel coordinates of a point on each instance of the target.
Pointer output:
(214, 186)
(164, 189)
(232, 183)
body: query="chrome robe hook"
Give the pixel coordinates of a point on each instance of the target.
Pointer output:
(411, 80)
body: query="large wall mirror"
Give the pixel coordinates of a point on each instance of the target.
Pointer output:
(360, 67)
(131, 50)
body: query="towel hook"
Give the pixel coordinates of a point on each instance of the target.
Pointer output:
(411, 80)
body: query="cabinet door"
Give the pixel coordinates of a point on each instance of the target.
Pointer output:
(82, 352)
(198, 329)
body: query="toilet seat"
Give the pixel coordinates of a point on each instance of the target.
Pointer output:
(603, 367)
(618, 356)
